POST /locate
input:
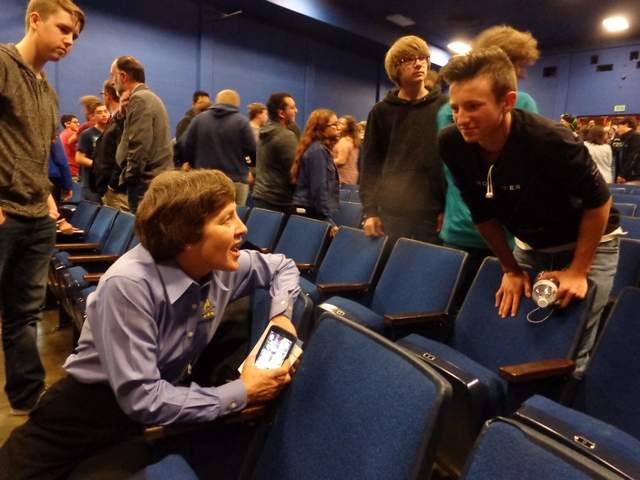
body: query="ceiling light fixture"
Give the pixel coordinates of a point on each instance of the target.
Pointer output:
(615, 24)
(401, 20)
(459, 47)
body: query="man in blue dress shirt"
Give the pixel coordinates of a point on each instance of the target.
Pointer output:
(152, 315)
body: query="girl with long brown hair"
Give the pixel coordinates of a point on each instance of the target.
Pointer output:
(313, 171)
(346, 151)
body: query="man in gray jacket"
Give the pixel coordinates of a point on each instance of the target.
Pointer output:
(28, 115)
(275, 151)
(145, 147)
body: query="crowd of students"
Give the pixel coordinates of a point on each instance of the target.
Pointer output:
(478, 170)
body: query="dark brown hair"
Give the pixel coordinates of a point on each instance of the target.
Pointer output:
(176, 206)
(132, 67)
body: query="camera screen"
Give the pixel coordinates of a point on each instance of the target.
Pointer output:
(274, 351)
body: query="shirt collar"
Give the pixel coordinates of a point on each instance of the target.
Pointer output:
(175, 280)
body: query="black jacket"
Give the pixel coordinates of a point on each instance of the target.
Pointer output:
(542, 181)
(630, 156)
(402, 171)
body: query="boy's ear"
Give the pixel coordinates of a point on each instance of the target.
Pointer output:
(510, 100)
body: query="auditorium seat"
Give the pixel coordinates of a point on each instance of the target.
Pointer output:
(302, 316)
(263, 227)
(303, 240)
(628, 271)
(243, 212)
(415, 289)
(349, 214)
(631, 198)
(348, 267)
(358, 407)
(626, 209)
(631, 225)
(495, 363)
(510, 449)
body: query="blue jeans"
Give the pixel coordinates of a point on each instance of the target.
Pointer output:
(603, 270)
(25, 247)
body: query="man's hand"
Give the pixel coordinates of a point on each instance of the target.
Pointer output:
(510, 291)
(53, 208)
(264, 385)
(2, 217)
(439, 222)
(571, 285)
(373, 227)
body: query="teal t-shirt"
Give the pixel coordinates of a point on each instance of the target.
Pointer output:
(458, 228)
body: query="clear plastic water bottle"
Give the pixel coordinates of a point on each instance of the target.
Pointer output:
(545, 292)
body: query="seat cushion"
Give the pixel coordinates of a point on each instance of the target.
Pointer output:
(359, 313)
(311, 289)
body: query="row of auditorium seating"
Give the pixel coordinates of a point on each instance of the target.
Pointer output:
(361, 406)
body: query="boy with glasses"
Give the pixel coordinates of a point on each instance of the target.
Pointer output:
(402, 187)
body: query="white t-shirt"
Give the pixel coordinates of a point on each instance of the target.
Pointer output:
(603, 158)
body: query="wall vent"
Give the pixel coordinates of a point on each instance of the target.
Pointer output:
(594, 59)
(605, 68)
(549, 71)
(634, 55)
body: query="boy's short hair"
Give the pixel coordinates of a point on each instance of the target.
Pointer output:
(403, 48)
(255, 109)
(519, 46)
(491, 62)
(176, 206)
(90, 103)
(46, 8)
(67, 117)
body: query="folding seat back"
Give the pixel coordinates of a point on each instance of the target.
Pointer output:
(349, 214)
(628, 271)
(101, 225)
(418, 277)
(302, 240)
(243, 212)
(352, 258)
(626, 209)
(609, 390)
(263, 227)
(84, 214)
(482, 335)
(120, 234)
(633, 198)
(508, 449)
(358, 407)
(631, 225)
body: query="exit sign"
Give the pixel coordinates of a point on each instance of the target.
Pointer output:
(619, 108)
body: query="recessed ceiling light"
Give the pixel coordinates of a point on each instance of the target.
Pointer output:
(615, 24)
(401, 20)
(459, 47)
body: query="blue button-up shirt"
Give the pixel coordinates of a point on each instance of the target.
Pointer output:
(148, 322)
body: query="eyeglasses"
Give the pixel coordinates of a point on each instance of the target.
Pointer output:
(401, 62)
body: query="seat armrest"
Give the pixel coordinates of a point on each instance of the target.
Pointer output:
(249, 414)
(333, 288)
(78, 259)
(418, 317)
(525, 372)
(77, 246)
(93, 277)
(305, 267)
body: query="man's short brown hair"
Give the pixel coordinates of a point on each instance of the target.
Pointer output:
(630, 122)
(402, 48)
(176, 206)
(46, 8)
(255, 109)
(491, 62)
(132, 67)
(519, 46)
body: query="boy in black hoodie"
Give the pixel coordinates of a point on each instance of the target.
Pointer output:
(28, 116)
(402, 186)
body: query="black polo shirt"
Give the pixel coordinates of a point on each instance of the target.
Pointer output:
(542, 181)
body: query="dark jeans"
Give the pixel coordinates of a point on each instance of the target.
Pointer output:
(25, 247)
(422, 228)
(135, 194)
